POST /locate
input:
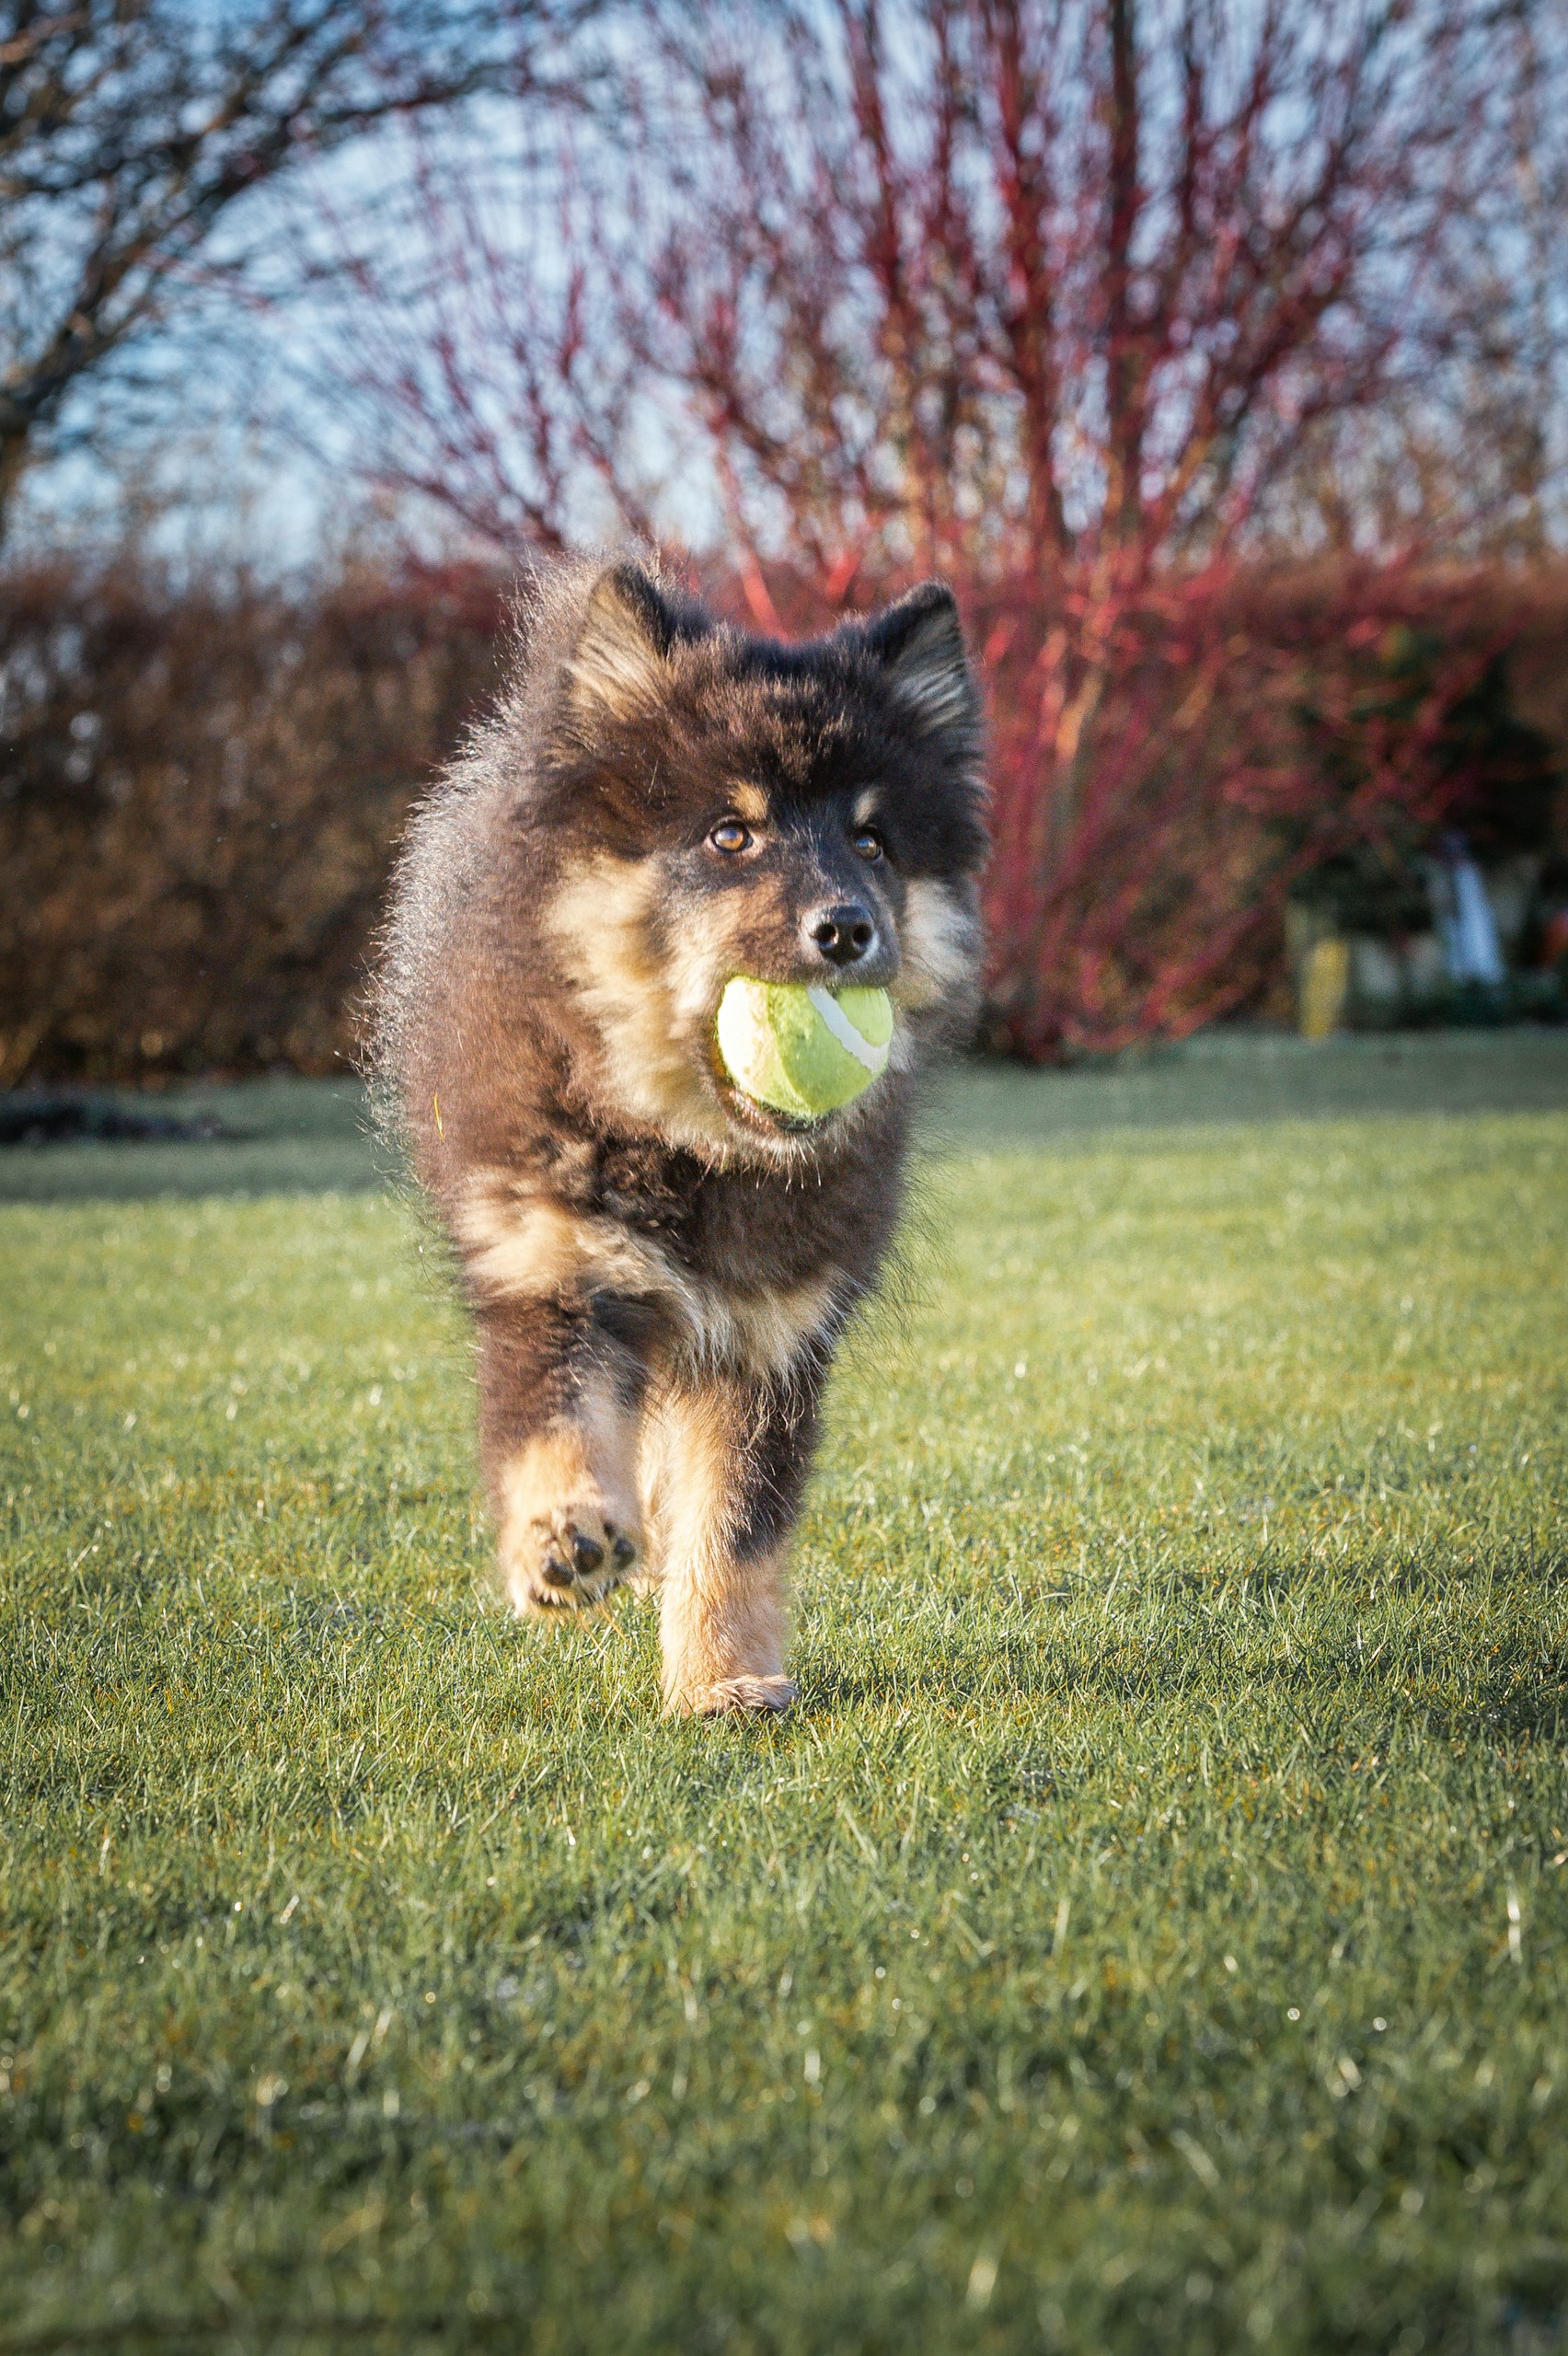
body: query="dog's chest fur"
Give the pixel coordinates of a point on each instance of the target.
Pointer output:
(724, 1268)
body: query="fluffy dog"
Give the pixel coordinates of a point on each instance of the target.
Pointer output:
(659, 1268)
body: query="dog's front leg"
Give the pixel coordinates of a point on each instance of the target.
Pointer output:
(734, 1455)
(558, 1402)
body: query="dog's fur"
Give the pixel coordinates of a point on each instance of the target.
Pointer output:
(659, 1270)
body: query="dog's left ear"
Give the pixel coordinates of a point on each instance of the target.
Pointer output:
(919, 642)
(617, 669)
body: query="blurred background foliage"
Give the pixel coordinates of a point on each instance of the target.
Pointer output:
(1214, 354)
(203, 784)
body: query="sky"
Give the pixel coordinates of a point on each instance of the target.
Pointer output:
(248, 450)
(234, 440)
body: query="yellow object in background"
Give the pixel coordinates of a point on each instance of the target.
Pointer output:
(1325, 986)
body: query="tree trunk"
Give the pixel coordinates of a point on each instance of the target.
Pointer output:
(1124, 372)
(13, 465)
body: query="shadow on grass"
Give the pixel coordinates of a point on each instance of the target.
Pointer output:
(1228, 1078)
(405, 2332)
(286, 1136)
(265, 1136)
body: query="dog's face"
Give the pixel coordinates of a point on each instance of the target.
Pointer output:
(725, 805)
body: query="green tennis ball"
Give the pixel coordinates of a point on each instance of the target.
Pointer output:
(801, 1049)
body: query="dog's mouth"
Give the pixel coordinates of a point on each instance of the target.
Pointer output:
(788, 1058)
(761, 1120)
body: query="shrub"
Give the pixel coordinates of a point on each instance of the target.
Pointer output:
(202, 788)
(203, 784)
(1171, 770)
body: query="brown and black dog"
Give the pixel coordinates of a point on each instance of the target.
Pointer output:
(659, 1268)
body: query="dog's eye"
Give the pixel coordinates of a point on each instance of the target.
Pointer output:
(867, 844)
(729, 836)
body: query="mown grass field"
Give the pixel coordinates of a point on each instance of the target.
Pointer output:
(1151, 1932)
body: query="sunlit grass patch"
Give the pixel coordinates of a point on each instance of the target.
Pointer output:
(1150, 1930)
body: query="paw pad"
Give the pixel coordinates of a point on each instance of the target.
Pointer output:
(568, 1560)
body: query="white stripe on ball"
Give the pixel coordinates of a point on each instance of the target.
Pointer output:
(844, 1031)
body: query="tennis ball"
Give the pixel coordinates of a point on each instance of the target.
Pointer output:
(801, 1049)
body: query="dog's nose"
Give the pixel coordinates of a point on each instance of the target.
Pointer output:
(843, 934)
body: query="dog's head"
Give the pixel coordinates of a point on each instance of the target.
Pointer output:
(724, 804)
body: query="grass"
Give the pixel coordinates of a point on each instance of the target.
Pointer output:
(1151, 1932)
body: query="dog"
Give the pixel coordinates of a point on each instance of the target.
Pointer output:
(659, 1268)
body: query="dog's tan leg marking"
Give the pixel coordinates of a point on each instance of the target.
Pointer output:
(569, 1527)
(722, 1619)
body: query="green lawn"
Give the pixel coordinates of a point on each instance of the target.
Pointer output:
(1149, 1932)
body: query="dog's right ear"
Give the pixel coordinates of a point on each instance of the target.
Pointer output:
(617, 669)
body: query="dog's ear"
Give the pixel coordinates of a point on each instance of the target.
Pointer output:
(617, 669)
(919, 642)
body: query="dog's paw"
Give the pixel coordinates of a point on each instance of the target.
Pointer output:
(737, 1697)
(568, 1559)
